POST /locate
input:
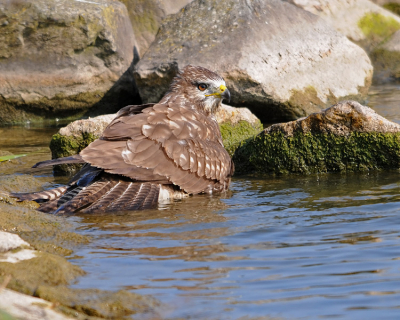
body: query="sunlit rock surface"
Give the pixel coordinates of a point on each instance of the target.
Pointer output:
(146, 17)
(278, 60)
(24, 307)
(59, 58)
(374, 28)
(346, 137)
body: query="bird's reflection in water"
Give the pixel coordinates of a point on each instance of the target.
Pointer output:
(184, 229)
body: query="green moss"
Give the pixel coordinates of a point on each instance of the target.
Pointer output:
(44, 269)
(377, 26)
(234, 135)
(393, 7)
(5, 316)
(318, 153)
(64, 146)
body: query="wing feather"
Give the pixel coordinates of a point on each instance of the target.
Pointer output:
(173, 142)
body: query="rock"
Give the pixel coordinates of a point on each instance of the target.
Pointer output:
(64, 58)
(368, 25)
(278, 60)
(236, 124)
(25, 307)
(146, 17)
(101, 303)
(343, 138)
(359, 20)
(9, 241)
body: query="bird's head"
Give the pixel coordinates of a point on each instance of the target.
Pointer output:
(201, 87)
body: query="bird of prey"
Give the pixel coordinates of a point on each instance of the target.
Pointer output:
(150, 152)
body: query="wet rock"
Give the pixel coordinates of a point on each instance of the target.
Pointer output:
(146, 17)
(236, 124)
(343, 138)
(100, 303)
(278, 60)
(367, 24)
(59, 59)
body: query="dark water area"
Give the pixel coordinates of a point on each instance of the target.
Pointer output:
(291, 247)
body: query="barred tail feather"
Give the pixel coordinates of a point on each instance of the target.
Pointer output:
(127, 196)
(43, 195)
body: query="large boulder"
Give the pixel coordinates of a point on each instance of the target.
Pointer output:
(374, 28)
(278, 60)
(59, 58)
(346, 137)
(146, 17)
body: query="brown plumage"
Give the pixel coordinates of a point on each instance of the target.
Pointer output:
(150, 152)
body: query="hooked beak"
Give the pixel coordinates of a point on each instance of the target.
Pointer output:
(226, 95)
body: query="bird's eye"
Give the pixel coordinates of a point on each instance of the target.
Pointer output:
(202, 86)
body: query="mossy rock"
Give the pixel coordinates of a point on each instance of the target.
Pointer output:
(97, 303)
(318, 153)
(233, 135)
(44, 269)
(377, 28)
(64, 146)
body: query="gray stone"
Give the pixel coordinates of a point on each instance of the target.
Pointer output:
(278, 60)
(369, 25)
(59, 58)
(345, 15)
(146, 17)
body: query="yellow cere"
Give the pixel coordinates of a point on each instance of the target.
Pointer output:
(222, 88)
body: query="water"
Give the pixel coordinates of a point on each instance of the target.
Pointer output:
(320, 246)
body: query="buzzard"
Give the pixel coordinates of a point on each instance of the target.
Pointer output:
(150, 153)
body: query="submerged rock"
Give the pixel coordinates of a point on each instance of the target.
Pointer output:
(59, 58)
(236, 124)
(278, 60)
(100, 303)
(374, 28)
(343, 138)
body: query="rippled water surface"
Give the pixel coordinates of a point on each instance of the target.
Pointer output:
(320, 246)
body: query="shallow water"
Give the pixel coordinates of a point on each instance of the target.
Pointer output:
(321, 246)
